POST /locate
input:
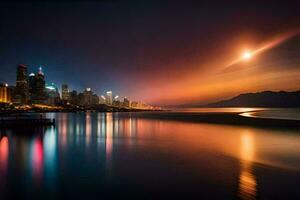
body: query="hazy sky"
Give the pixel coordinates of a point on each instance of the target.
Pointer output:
(162, 53)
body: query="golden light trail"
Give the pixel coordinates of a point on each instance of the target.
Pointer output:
(269, 45)
(247, 188)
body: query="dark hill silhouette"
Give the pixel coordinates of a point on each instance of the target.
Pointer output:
(261, 99)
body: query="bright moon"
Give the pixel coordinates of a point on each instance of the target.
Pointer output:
(246, 55)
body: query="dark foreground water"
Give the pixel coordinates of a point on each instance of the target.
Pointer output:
(122, 156)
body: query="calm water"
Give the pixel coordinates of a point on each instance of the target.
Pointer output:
(275, 113)
(120, 155)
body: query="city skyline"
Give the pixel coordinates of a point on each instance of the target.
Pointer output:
(161, 53)
(113, 99)
(32, 90)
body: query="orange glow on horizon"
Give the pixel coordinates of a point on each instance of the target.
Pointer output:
(211, 80)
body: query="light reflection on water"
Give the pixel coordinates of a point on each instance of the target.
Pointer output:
(247, 180)
(101, 151)
(218, 110)
(274, 113)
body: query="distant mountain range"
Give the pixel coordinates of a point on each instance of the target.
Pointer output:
(261, 99)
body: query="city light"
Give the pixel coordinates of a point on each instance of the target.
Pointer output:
(50, 87)
(33, 93)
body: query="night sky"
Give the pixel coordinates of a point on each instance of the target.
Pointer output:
(161, 53)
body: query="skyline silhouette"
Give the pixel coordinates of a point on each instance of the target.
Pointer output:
(161, 53)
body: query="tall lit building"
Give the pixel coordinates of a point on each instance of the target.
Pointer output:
(21, 91)
(74, 98)
(39, 92)
(109, 98)
(52, 94)
(102, 99)
(31, 85)
(126, 102)
(5, 94)
(65, 93)
(88, 98)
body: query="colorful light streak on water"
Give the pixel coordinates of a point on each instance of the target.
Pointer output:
(37, 160)
(4, 151)
(163, 155)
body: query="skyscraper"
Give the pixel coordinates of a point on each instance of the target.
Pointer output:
(102, 100)
(74, 98)
(31, 86)
(39, 91)
(65, 93)
(109, 98)
(21, 91)
(52, 94)
(126, 102)
(5, 95)
(87, 97)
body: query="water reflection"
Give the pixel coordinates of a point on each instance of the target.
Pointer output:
(62, 128)
(4, 150)
(109, 135)
(37, 159)
(50, 158)
(3, 153)
(247, 188)
(108, 151)
(88, 128)
(274, 113)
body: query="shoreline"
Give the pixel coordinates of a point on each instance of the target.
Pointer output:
(222, 118)
(3, 112)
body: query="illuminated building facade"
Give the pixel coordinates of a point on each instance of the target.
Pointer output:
(37, 87)
(5, 94)
(52, 93)
(31, 85)
(21, 91)
(65, 93)
(126, 102)
(88, 98)
(102, 99)
(109, 98)
(74, 99)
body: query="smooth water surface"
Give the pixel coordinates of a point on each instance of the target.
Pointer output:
(125, 156)
(274, 113)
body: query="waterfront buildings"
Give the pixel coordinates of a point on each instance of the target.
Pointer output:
(52, 94)
(5, 93)
(126, 102)
(88, 98)
(65, 93)
(32, 89)
(37, 88)
(21, 93)
(31, 85)
(74, 98)
(102, 100)
(109, 98)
